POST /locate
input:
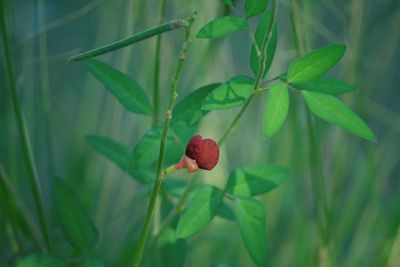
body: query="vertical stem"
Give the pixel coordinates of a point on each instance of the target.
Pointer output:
(156, 88)
(45, 84)
(23, 129)
(167, 120)
(316, 168)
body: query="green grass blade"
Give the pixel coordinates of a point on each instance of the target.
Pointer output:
(331, 109)
(166, 27)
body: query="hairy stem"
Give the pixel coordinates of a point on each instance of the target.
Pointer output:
(168, 116)
(23, 130)
(156, 88)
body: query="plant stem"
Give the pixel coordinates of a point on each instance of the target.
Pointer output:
(167, 120)
(166, 27)
(156, 88)
(23, 130)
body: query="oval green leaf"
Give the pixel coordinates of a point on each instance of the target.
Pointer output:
(110, 149)
(261, 31)
(331, 109)
(222, 26)
(315, 63)
(189, 108)
(40, 260)
(146, 150)
(257, 180)
(326, 85)
(255, 7)
(76, 224)
(200, 211)
(250, 216)
(230, 94)
(276, 110)
(124, 88)
(225, 212)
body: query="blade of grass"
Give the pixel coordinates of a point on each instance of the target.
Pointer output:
(23, 130)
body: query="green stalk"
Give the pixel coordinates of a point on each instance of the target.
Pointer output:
(166, 27)
(167, 120)
(156, 88)
(316, 168)
(23, 130)
(45, 86)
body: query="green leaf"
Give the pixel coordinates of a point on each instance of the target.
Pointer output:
(326, 85)
(40, 260)
(315, 63)
(253, 181)
(110, 149)
(146, 150)
(276, 109)
(225, 212)
(261, 31)
(125, 89)
(255, 7)
(250, 216)
(189, 108)
(173, 251)
(222, 26)
(200, 211)
(175, 186)
(331, 109)
(230, 94)
(77, 226)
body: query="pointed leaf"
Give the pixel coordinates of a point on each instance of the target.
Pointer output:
(253, 181)
(315, 63)
(261, 31)
(225, 212)
(40, 260)
(125, 89)
(200, 211)
(230, 94)
(77, 226)
(255, 7)
(111, 149)
(326, 85)
(250, 216)
(222, 26)
(331, 109)
(276, 109)
(189, 108)
(146, 150)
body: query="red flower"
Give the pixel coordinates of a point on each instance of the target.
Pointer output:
(204, 151)
(200, 153)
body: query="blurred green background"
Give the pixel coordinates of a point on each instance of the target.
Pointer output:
(62, 103)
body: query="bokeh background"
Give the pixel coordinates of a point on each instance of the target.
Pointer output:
(62, 103)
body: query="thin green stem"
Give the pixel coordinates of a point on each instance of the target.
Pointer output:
(253, 39)
(166, 27)
(167, 120)
(23, 130)
(45, 85)
(156, 88)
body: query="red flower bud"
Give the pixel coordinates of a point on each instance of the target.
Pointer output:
(204, 151)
